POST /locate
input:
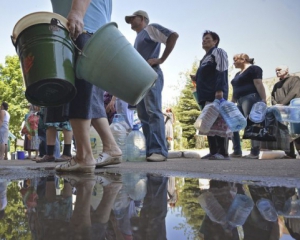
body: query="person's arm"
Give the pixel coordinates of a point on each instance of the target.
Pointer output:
(76, 15)
(273, 100)
(261, 89)
(294, 91)
(2, 115)
(221, 72)
(171, 41)
(111, 105)
(156, 34)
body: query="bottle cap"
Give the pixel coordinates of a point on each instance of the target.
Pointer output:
(136, 127)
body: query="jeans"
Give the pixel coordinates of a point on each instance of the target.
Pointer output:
(122, 108)
(150, 113)
(245, 104)
(152, 221)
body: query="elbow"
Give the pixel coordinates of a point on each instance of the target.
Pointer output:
(173, 37)
(176, 35)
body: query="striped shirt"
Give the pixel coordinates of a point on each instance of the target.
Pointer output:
(212, 75)
(148, 41)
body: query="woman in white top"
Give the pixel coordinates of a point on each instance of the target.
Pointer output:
(4, 122)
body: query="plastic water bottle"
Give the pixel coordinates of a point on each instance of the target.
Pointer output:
(267, 209)
(136, 145)
(96, 142)
(291, 208)
(120, 133)
(258, 112)
(239, 210)
(212, 208)
(232, 116)
(208, 116)
(295, 116)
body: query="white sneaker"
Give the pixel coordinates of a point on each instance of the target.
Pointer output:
(154, 157)
(105, 159)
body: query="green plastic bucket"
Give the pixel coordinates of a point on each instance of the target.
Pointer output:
(46, 55)
(110, 62)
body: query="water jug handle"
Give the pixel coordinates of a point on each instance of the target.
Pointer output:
(13, 40)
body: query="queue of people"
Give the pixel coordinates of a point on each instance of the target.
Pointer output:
(88, 106)
(211, 82)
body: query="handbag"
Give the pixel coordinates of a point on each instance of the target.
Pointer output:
(264, 131)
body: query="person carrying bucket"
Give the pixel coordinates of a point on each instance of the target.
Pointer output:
(147, 43)
(87, 108)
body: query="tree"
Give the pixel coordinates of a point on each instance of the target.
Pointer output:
(12, 91)
(187, 109)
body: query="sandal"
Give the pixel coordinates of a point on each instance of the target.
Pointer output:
(105, 159)
(74, 180)
(63, 158)
(46, 158)
(72, 166)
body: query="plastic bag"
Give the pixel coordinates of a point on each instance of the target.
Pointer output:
(208, 116)
(219, 128)
(264, 131)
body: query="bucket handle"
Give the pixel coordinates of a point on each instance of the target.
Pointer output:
(55, 21)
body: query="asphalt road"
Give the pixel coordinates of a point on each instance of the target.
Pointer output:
(277, 172)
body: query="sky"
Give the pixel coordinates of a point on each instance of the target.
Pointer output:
(267, 30)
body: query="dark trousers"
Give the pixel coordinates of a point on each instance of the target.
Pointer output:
(292, 152)
(245, 104)
(218, 144)
(151, 222)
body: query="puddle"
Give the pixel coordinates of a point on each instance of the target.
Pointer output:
(146, 206)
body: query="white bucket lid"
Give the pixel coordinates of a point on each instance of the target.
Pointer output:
(36, 18)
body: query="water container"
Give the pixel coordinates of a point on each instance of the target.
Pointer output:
(21, 155)
(239, 210)
(208, 116)
(136, 145)
(109, 61)
(212, 208)
(267, 209)
(295, 126)
(258, 112)
(120, 133)
(232, 116)
(286, 113)
(291, 208)
(96, 143)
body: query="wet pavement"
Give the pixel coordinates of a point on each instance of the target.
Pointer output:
(183, 198)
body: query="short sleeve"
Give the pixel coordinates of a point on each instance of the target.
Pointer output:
(257, 72)
(158, 33)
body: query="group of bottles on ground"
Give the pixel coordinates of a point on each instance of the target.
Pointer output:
(132, 142)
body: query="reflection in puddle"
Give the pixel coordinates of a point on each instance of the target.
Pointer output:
(145, 206)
